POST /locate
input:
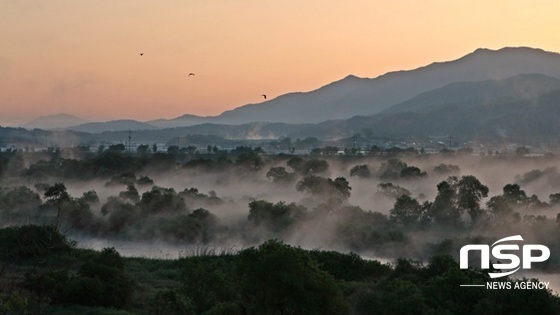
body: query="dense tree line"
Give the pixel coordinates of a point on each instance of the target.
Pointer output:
(273, 278)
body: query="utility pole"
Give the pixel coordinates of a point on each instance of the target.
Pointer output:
(129, 138)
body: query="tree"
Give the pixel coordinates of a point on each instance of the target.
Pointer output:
(361, 171)
(447, 169)
(499, 207)
(161, 200)
(57, 196)
(142, 150)
(554, 198)
(444, 209)
(514, 194)
(131, 194)
(411, 172)
(391, 169)
(173, 150)
(406, 211)
(108, 269)
(295, 163)
(279, 174)
(470, 192)
(341, 187)
(116, 148)
(280, 279)
(275, 217)
(314, 166)
(317, 185)
(250, 160)
(402, 296)
(392, 190)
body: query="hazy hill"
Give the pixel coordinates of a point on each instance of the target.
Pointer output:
(353, 96)
(529, 120)
(113, 125)
(252, 131)
(57, 121)
(38, 138)
(520, 87)
(181, 121)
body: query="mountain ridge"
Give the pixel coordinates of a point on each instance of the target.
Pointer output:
(354, 96)
(54, 121)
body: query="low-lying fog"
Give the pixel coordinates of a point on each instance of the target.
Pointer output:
(338, 228)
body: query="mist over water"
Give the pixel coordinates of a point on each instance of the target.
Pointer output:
(237, 189)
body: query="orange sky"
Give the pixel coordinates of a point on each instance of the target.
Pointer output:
(82, 57)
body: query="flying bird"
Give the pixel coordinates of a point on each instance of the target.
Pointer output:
(264, 95)
(141, 54)
(190, 74)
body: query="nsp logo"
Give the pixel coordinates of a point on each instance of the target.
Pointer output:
(498, 253)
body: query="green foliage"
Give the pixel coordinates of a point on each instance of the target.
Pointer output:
(280, 279)
(358, 229)
(392, 190)
(101, 282)
(361, 171)
(444, 209)
(131, 194)
(470, 192)
(279, 175)
(144, 181)
(349, 267)
(313, 166)
(161, 200)
(121, 214)
(195, 228)
(250, 161)
(411, 172)
(208, 282)
(316, 185)
(126, 178)
(391, 169)
(406, 211)
(90, 197)
(395, 169)
(274, 217)
(171, 302)
(31, 241)
(17, 202)
(447, 169)
(13, 303)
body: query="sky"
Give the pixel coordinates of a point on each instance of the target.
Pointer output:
(83, 57)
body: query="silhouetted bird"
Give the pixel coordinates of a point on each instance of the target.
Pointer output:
(264, 95)
(141, 54)
(190, 74)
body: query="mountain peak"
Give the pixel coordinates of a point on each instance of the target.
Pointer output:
(353, 96)
(55, 121)
(509, 50)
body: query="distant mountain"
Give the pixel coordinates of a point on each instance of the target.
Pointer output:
(528, 120)
(511, 93)
(251, 131)
(181, 121)
(113, 125)
(58, 121)
(39, 138)
(520, 87)
(353, 96)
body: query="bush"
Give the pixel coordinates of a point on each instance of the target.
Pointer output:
(31, 241)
